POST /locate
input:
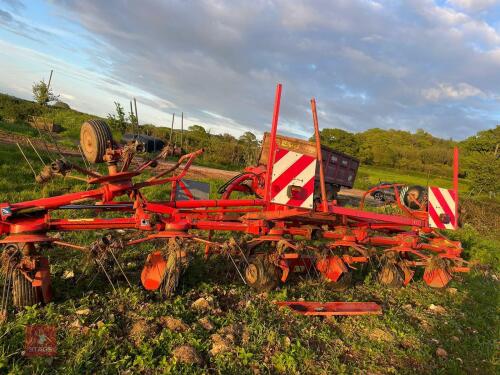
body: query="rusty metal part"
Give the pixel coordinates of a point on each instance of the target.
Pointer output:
(57, 167)
(164, 268)
(332, 308)
(437, 272)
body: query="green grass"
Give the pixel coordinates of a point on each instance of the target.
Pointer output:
(371, 175)
(18, 128)
(403, 340)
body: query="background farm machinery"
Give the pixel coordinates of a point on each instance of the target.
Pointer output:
(288, 212)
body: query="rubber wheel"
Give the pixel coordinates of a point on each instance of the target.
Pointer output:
(23, 293)
(379, 196)
(261, 275)
(94, 138)
(417, 193)
(391, 276)
(342, 284)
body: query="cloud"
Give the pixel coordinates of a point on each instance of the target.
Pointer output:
(383, 64)
(18, 26)
(446, 91)
(474, 5)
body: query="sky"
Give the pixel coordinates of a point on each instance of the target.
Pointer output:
(406, 65)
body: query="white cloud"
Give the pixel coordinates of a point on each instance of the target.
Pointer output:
(474, 5)
(455, 92)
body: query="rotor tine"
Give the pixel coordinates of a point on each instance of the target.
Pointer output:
(120, 267)
(83, 157)
(55, 144)
(6, 291)
(34, 149)
(169, 276)
(242, 254)
(107, 276)
(83, 273)
(25, 158)
(237, 269)
(45, 144)
(305, 266)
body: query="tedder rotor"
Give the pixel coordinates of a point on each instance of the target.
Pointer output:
(290, 216)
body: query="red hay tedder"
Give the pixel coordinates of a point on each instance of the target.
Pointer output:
(294, 220)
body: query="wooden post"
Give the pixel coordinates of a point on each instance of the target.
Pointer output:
(319, 156)
(50, 79)
(172, 128)
(132, 114)
(182, 129)
(136, 116)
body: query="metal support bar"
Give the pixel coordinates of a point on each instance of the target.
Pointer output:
(272, 145)
(319, 156)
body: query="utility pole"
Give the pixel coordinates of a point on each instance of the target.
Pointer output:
(136, 117)
(172, 128)
(50, 79)
(132, 115)
(182, 129)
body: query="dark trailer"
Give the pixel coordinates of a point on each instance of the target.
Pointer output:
(151, 144)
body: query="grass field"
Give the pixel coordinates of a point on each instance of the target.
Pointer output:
(372, 175)
(128, 330)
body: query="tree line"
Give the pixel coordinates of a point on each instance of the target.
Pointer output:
(397, 149)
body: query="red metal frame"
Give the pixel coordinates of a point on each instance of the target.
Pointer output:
(351, 231)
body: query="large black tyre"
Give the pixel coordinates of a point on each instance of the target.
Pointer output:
(415, 193)
(95, 136)
(23, 292)
(261, 274)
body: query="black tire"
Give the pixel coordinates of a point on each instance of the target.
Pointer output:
(390, 275)
(95, 135)
(342, 284)
(379, 196)
(260, 274)
(23, 292)
(419, 193)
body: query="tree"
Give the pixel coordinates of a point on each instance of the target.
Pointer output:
(132, 119)
(483, 141)
(339, 140)
(42, 93)
(250, 147)
(117, 122)
(484, 169)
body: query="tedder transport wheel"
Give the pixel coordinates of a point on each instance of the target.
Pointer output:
(414, 196)
(261, 274)
(23, 292)
(391, 276)
(94, 138)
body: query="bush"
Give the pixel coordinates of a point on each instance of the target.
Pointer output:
(477, 247)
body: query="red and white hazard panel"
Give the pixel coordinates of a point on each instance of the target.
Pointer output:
(293, 179)
(442, 204)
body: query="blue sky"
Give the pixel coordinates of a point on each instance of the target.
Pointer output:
(389, 64)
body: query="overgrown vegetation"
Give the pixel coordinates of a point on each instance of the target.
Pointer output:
(42, 93)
